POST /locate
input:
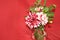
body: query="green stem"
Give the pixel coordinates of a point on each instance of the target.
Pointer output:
(37, 2)
(44, 2)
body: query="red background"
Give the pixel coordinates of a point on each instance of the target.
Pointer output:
(12, 24)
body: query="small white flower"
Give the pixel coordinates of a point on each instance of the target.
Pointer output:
(41, 7)
(37, 9)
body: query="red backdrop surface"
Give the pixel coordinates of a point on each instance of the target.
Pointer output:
(12, 24)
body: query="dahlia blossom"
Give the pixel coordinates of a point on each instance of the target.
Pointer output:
(32, 21)
(42, 17)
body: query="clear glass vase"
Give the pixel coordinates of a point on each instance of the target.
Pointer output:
(39, 35)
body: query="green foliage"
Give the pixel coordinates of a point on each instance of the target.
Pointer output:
(50, 14)
(37, 2)
(41, 28)
(46, 9)
(44, 3)
(50, 19)
(52, 7)
(32, 9)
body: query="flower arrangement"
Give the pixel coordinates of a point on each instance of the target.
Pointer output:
(38, 17)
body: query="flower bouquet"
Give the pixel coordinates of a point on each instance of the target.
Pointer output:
(38, 17)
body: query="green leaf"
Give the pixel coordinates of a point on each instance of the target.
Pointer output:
(52, 7)
(50, 19)
(50, 14)
(46, 9)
